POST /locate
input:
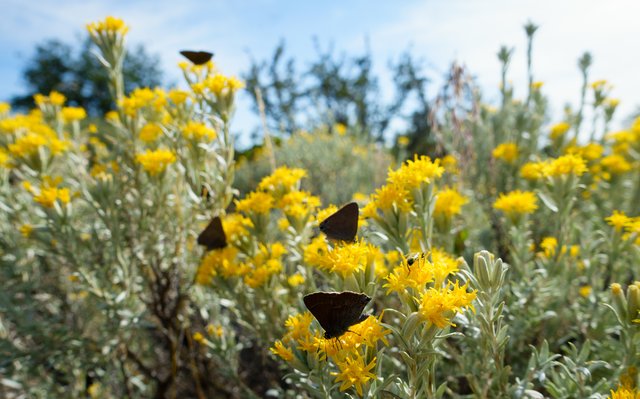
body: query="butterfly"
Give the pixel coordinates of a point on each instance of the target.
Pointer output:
(342, 224)
(213, 236)
(337, 311)
(197, 57)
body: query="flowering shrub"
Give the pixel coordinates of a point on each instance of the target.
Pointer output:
(107, 294)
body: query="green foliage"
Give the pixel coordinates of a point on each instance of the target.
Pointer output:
(337, 166)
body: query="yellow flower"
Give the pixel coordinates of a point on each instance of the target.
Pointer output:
(340, 128)
(449, 203)
(322, 214)
(615, 164)
(235, 226)
(54, 98)
(403, 141)
(449, 163)
(27, 145)
(295, 280)
(549, 245)
(199, 338)
(516, 203)
(178, 96)
(150, 132)
(438, 306)
(315, 253)
(257, 202)
(299, 204)
(220, 262)
(347, 259)
(298, 326)
(537, 85)
(4, 159)
(590, 151)
(222, 85)
(390, 195)
(370, 331)
(558, 130)
(566, 165)
(214, 330)
(532, 170)
(26, 230)
(70, 114)
(625, 392)
(282, 180)
(618, 220)
(110, 25)
(282, 351)
(198, 131)
(507, 152)
(4, 108)
(155, 162)
(413, 173)
(354, 373)
(585, 291)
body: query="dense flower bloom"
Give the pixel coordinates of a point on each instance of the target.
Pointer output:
(54, 98)
(566, 165)
(220, 262)
(439, 305)
(354, 372)
(198, 131)
(156, 162)
(516, 203)
(532, 170)
(413, 173)
(449, 203)
(110, 25)
(282, 351)
(618, 220)
(70, 114)
(343, 259)
(508, 152)
(387, 197)
(257, 202)
(150, 132)
(299, 204)
(616, 164)
(282, 179)
(178, 96)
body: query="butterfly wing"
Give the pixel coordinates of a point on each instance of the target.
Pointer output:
(336, 311)
(343, 224)
(213, 236)
(197, 57)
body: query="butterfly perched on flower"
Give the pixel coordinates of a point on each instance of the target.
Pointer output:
(337, 311)
(213, 237)
(197, 57)
(342, 224)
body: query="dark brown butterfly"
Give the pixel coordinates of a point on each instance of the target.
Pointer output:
(213, 236)
(343, 224)
(337, 311)
(197, 57)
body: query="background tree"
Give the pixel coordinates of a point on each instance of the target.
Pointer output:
(77, 73)
(343, 89)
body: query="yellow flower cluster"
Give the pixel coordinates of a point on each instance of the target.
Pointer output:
(155, 162)
(343, 259)
(71, 114)
(282, 180)
(30, 134)
(508, 152)
(48, 192)
(449, 203)
(353, 371)
(565, 165)
(54, 98)
(631, 225)
(266, 263)
(516, 203)
(198, 131)
(428, 269)
(220, 262)
(150, 132)
(438, 305)
(143, 99)
(110, 26)
(257, 202)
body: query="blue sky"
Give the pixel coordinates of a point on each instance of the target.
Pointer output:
(469, 31)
